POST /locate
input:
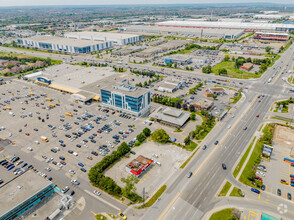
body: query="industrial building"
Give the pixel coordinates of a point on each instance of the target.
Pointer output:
(187, 31)
(202, 104)
(128, 51)
(138, 165)
(245, 26)
(171, 117)
(170, 86)
(64, 44)
(124, 97)
(179, 59)
(271, 36)
(117, 38)
(22, 193)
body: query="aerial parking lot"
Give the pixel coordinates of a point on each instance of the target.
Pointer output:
(50, 127)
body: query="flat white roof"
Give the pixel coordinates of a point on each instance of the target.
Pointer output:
(101, 34)
(62, 41)
(226, 24)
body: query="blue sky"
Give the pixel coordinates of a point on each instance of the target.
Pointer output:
(108, 2)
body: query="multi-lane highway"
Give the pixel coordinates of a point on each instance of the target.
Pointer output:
(192, 198)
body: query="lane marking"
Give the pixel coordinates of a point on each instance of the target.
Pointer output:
(169, 206)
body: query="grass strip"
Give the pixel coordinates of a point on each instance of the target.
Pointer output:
(154, 198)
(225, 189)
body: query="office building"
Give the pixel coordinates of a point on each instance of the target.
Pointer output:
(124, 97)
(22, 193)
(117, 38)
(61, 44)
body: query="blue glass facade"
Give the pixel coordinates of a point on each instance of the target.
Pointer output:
(130, 103)
(24, 206)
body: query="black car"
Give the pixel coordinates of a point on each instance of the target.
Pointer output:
(262, 187)
(54, 162)
(70, 151)
(224, 166)
(189, 174)
(78, 145)
(94, 153)
(62, 158)
(54, 150)
(133, 152)
(71, 193)
(204, 147)
(279, 192)
(216, 142)
(62, 145)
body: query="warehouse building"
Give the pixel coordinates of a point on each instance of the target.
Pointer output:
(124, 97)
(245, 26)
(171, 117)
(179, 59)
(61, 44)
(22, 193)
(187, 31)
(138, 165)
(170, 86)
(271, 36)
(117, 38)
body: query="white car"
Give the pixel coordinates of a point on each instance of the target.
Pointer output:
(72, 172)
(155, 155)
(10, 134)
(30, 149)
(75, 182)
(260, 173)
(60, 165)
(229, 126)
(96, 192)
(48, 169)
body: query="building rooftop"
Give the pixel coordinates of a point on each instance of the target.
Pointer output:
(20, 189)
(110, 35)
(62, 41)
(171, 115)
(118, 83)
(181, 57)
(137, 165)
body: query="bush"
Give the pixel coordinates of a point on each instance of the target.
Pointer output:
(160, 135)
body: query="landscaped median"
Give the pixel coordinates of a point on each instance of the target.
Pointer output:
(225, 189)
(154, 198)
(242, 161)
(236, 192)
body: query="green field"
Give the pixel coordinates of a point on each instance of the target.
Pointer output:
(232, 71)
(225, 214)
(225, 189)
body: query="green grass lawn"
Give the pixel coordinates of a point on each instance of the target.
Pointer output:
(225, 214)
(100, 217)
(236, 192)
(225, 189)
(153, 199)
(232, 71)
(242, 161)
(191, 146)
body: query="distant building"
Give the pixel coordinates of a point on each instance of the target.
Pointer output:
(202, 104)
(124, 97)
(117, 38)
(24, 192)
(214, 91)
(171, 116)
(170, 86)
(247, 66)
(178, 59)
(138, 165)
(271, 36)
(65, 44)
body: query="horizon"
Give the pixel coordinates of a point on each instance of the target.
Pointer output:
(72, 3)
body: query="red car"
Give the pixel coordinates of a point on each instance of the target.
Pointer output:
(63, 163)
(127, 132)
(257, 116)
(259, 178)
(27, 134)
(99, 131)
(259, 101)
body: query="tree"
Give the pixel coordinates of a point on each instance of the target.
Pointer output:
(187, 140)
(206, 69)
(160, 135)
(130, 182)
(193, 116)
(222, 71)
(175, 65)
(185, 106)
(191, 108)
(178, 105)
(147, 132)
(249, 60)
(141, 137)
(214, 96)
(227, 58)
(268, 49)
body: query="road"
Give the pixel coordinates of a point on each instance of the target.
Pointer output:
(192, 198)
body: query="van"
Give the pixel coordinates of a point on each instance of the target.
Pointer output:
(43, 138)
(68, 114)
